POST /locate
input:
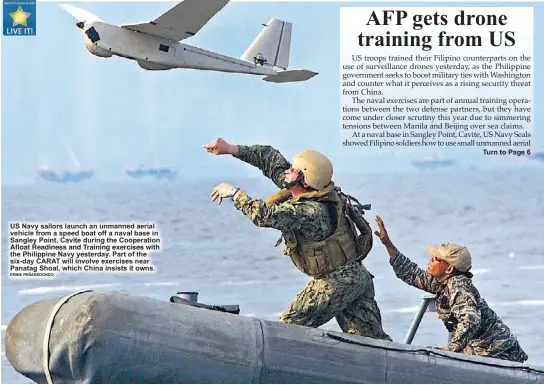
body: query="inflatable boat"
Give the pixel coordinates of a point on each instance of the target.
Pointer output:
(116, 337)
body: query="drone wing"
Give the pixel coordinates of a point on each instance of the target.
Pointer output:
(181, 21)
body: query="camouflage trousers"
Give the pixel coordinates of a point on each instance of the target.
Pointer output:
(348, 295)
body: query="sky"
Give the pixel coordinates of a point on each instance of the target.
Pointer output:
(113, 115)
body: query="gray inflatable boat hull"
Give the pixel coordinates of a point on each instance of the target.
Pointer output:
(115, 337)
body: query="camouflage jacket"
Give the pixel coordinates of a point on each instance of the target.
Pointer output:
(310, 219)
(473, 326)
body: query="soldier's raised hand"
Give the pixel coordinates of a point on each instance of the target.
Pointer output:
(219, 147)
(382, 234)
(384, 237)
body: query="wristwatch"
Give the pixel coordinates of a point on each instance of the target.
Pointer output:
(232, 192)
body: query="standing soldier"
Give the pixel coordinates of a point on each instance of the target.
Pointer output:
(318, 224)
(474, 328)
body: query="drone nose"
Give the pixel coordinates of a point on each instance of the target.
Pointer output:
(80, 24)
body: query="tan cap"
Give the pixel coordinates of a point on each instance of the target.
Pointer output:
(455, 254)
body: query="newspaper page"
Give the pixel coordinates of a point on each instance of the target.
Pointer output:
(154, 152)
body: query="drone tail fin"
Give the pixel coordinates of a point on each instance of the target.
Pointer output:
(273, 42)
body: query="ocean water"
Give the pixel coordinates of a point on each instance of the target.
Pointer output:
(219, 253)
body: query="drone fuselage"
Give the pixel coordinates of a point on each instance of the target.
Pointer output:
(155, 53)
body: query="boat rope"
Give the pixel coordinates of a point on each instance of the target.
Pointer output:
(432, 351)
(47, 333)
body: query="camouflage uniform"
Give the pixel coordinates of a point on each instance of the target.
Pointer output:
(348, 292)
(474, 328)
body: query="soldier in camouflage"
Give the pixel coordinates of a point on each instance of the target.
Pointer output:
(474, 328)
(318, 237)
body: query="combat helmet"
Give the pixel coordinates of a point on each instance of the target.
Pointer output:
(315, 166)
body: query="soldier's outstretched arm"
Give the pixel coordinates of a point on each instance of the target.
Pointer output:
(413, 275)
(405, 269)
(464, 308)
(285, 216)
(266, 158)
